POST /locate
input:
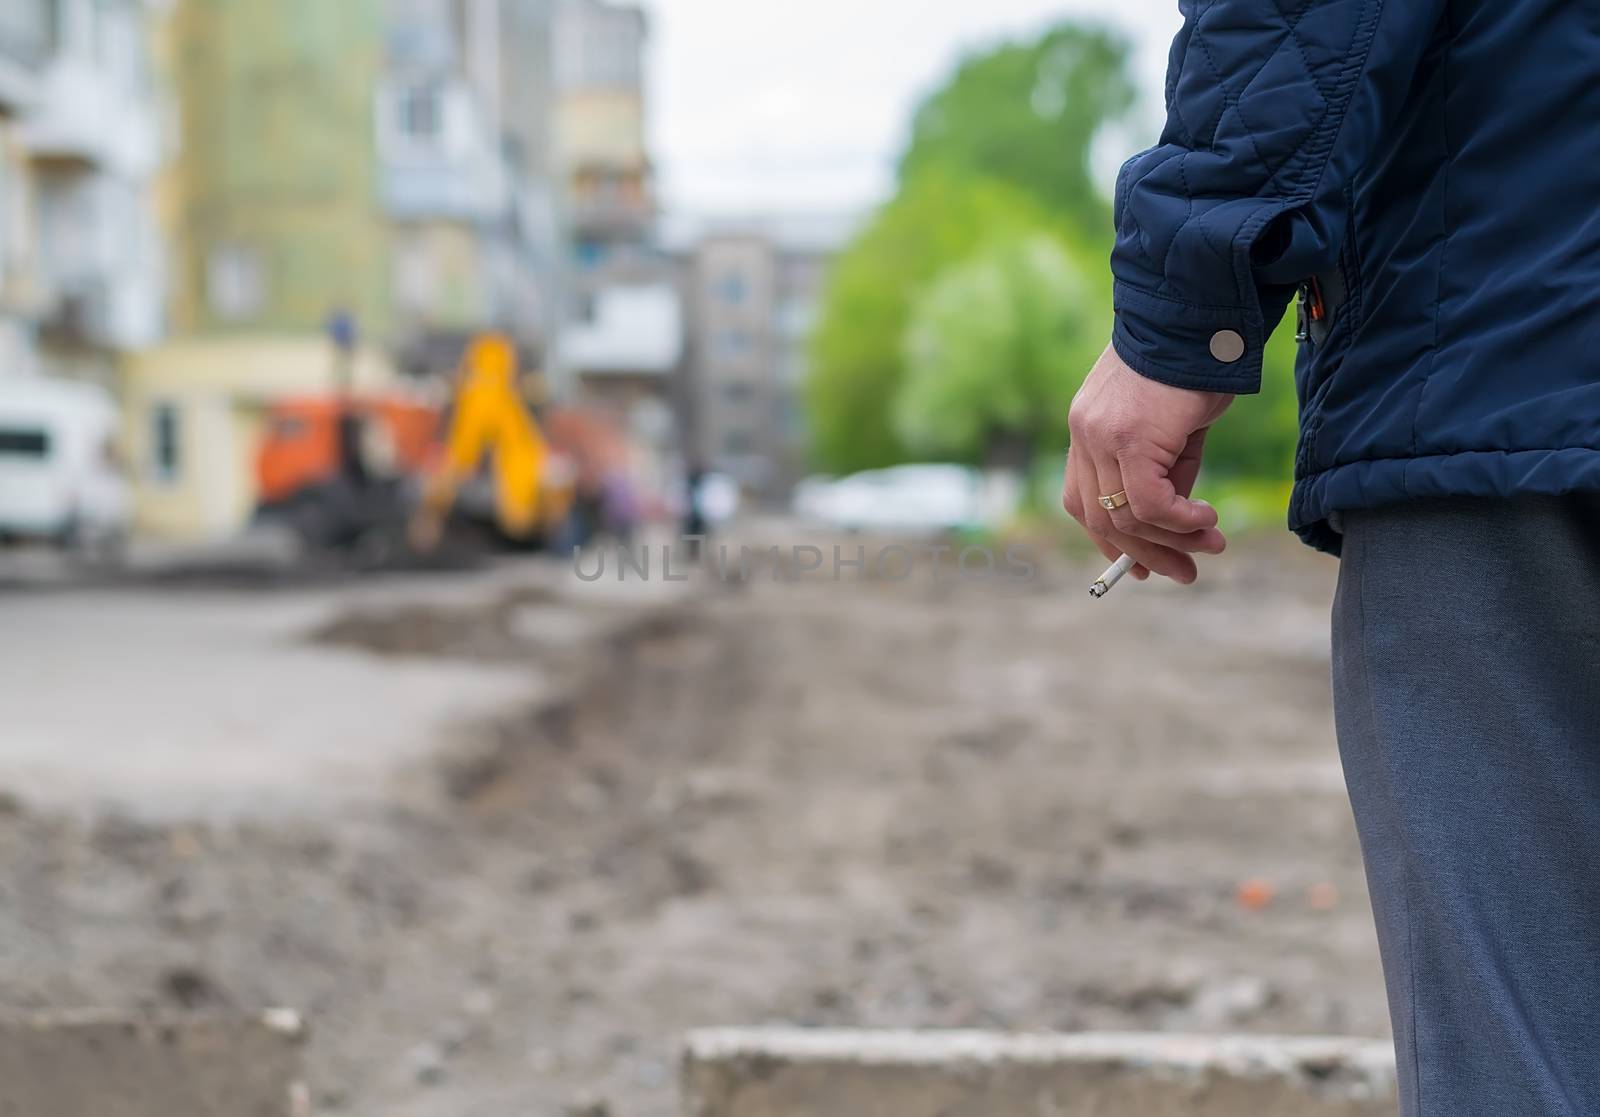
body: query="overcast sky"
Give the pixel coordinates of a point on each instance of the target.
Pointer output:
(776, 105)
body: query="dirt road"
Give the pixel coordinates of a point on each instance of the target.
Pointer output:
(858, 803)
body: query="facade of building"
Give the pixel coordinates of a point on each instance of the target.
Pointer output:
(601, 141)
(193, 191)
(444, 183)
(95, 143)
(269, 203)
(623, 345)
(193, 410)
(357, 157)
(272, 198)
(24, 48)
(376, 162)
(527, 99)
(752, 290)
(82, 265)
(463, 133)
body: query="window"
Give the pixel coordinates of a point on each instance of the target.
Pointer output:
(738, 392)
(415, 276)
(289, 428)
(789, 418)
(612, 57)
(235, 286)
(732, 344)
(166, 451)
(72, 219)
(732, 288)
(24, 443)
(421, 115)
(736, 443)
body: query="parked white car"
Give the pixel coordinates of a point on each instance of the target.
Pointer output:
(59, 473)
(907, 500)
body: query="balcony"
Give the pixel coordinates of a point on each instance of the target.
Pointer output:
(611, 218)
(439, 191)
(440, 159)
(102, 314)
(633, 331)
(84, 117)
(612, 202)
(95, 104)
(100, 268)
(78, 319)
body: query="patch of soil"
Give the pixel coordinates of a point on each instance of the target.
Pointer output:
(854, 804)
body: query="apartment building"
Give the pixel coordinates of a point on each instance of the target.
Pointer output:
(462, 138)
(600, 134)
(354, 158)
(752, 288)
(94, 141)
(271, 199)
(24, 45)
(623, 347)
(82, 266)
(374, 163)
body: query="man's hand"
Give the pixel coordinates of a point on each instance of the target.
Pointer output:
(1136, 435)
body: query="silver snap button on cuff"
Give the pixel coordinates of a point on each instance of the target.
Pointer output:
(1227, 346)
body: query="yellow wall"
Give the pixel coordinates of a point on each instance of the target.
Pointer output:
(605, 127)
(220, 389)
(274, 101)
(456, 294)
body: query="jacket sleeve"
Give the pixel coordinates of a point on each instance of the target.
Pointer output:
(1272, 105)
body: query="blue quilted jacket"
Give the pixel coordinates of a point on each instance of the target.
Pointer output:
(1426, 175)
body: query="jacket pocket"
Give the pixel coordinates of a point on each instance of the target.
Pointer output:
(1329, 317)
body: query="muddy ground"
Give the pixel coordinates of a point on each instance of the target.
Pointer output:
(865, 803)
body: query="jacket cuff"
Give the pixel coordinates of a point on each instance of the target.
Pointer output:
(1200, 348)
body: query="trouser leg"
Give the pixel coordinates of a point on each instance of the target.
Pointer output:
(1467, 694)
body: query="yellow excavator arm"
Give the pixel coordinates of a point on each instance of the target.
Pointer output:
(491, 422)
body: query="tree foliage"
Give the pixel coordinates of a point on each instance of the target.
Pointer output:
(857, 366)
(996, 348)
(1027, 113)
(967, 311)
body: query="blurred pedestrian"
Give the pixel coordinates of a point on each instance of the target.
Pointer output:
(620, 511)
(1427, 175)
(695, 525)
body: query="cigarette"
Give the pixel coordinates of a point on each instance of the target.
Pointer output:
(1114, 574)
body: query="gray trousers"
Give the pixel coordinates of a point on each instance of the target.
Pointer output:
(1466, 640)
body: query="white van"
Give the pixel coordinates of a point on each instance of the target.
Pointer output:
(59, 472)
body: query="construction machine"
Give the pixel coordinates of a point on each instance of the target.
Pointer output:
(394, 471)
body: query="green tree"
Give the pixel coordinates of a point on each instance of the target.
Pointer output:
(1027, 114)
(995, 350)
(857, 365)
(937, 336)
(1001, 152)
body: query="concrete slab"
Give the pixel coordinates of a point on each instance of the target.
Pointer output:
(216, 704)
(93, 1065)
(789, 1073)
(213, 705)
